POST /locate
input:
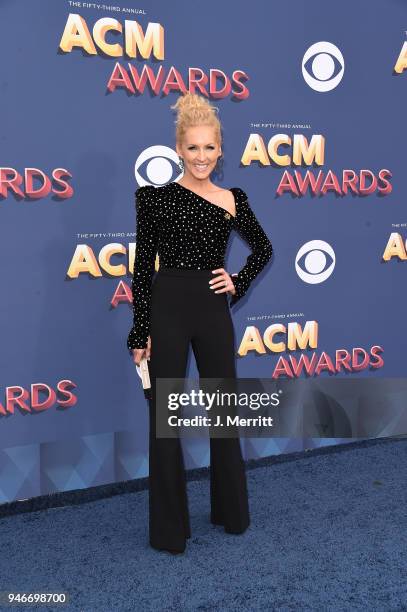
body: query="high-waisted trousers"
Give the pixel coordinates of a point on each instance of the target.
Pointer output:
(185, 311)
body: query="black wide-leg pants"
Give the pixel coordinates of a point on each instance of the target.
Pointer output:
(184, 311)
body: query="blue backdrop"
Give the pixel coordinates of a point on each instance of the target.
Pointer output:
(299, 69)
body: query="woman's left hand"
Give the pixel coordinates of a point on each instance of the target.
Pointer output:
(222, 282)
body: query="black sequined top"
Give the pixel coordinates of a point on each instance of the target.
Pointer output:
(190, 232)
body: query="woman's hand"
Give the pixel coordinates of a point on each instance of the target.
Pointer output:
(222, 282)
(139, 353)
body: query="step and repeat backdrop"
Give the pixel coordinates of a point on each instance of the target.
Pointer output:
(312, 100)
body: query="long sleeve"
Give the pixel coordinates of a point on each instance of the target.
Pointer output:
(147, 236)
(250, 229)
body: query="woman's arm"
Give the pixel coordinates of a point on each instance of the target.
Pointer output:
(249, 228)
(147, 236)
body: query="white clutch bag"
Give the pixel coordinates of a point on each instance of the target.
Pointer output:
(145, 377)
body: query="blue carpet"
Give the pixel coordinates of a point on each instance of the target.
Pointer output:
(328, 532)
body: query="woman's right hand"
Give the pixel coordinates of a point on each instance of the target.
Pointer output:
(139, 353)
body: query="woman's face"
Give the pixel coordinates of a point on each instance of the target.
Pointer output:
(199, 150)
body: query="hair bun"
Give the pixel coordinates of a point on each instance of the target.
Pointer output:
(192, 110)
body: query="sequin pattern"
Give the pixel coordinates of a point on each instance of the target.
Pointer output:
(188, 232)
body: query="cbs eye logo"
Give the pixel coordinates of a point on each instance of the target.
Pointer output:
(155, 166)
(315, 261)
(323, 66)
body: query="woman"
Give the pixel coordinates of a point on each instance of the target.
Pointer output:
(189, 222)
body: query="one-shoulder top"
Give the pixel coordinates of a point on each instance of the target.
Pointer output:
(188, 232)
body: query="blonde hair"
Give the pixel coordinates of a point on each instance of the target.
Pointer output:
(193, 110)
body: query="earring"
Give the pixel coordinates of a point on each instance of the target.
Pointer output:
(219, 167)
(219, 163)
(181, 164)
